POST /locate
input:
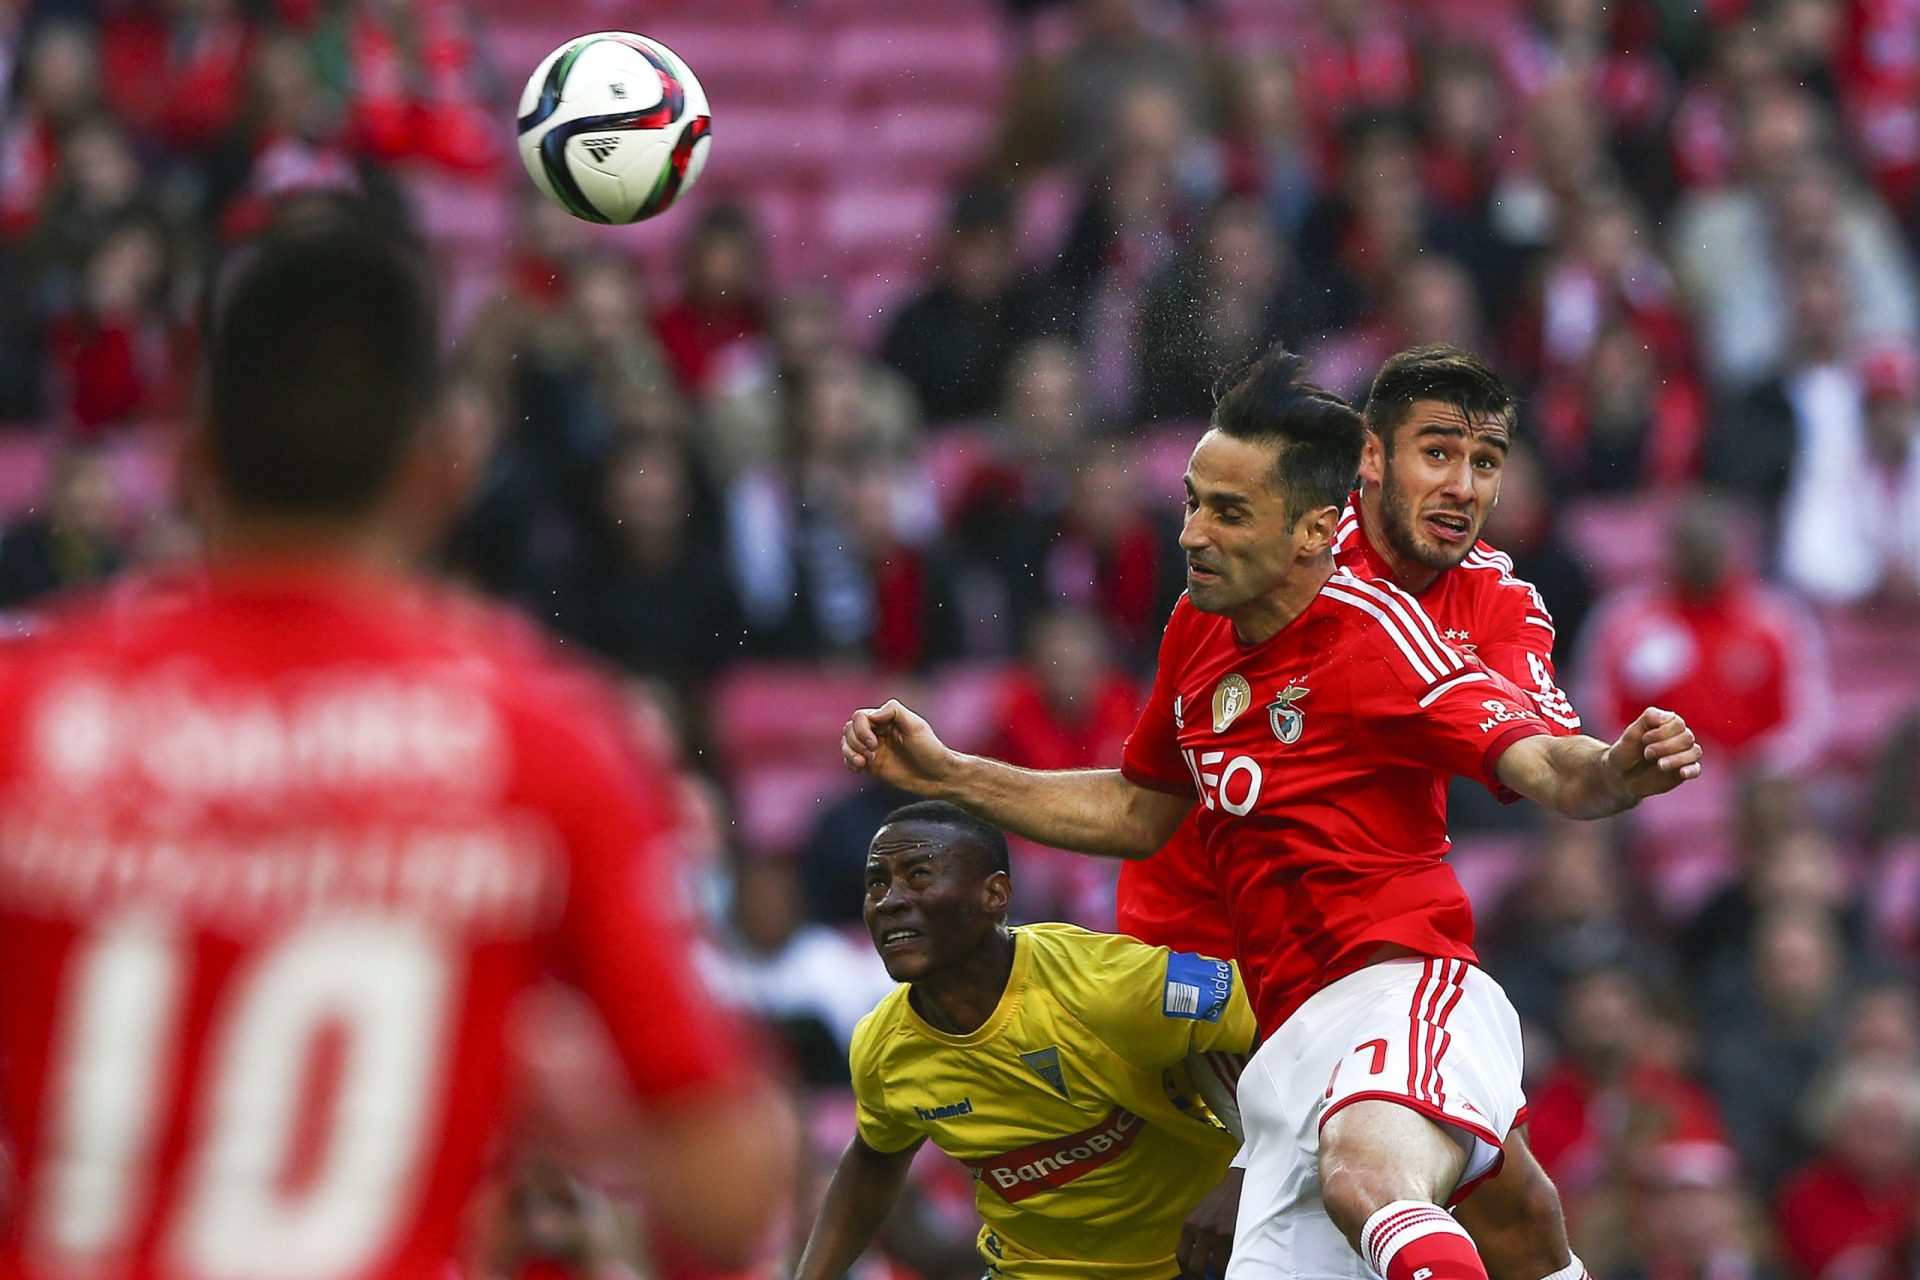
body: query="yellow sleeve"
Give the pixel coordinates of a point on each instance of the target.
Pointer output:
(1162, 1005)
(878, 1125)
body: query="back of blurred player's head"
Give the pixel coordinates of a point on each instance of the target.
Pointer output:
(1316, 435)
(1436, 373)
(986, 842)
(322, 368)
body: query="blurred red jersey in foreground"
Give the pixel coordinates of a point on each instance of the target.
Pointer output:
(279, 851)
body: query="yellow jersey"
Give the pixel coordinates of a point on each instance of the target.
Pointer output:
(1071, 1104)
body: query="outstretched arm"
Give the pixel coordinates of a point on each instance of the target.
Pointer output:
(1583, 777)
(863, 1190)
(1091, 810)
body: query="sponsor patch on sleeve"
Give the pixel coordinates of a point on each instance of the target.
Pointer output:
(1198, 987)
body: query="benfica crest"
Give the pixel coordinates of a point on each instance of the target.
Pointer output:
(1230, 697)
(1286, 719)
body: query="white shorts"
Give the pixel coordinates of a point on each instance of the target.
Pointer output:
(1438, 1036)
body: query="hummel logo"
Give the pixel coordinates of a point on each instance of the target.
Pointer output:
(600, 148)
(617, 90)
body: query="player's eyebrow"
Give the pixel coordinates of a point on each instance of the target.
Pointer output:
(1216, 498)
(1456, 431)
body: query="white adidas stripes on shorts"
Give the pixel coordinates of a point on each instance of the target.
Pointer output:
(1439, 1036)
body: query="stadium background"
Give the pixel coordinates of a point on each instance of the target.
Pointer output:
(896, 403)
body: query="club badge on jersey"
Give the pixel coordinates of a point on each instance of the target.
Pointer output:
(1230, 697)
(1283, 717)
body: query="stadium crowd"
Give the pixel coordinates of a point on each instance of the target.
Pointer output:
(770, 469)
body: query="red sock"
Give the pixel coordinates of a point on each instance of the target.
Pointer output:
(1416, 1240)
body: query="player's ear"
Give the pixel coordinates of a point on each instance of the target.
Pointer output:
(1316, 531)
(1373, 457)
(996, 893)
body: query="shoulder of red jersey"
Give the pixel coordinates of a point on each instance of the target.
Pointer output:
(1490, 570)
(1395, 624)
(1346, 534)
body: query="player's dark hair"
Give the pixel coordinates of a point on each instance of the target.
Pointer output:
(322, 365)
(988, 842)
(1438, 372)
(1317, 435)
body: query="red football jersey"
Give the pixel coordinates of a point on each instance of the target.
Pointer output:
(279, 851)
(1320, 759)
(1172, 900)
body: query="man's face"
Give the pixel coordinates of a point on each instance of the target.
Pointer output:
(928, 906)
(1239, 543)
(1437, 484)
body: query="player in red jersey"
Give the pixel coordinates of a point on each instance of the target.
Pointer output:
(285, 841)
(1315, 715)
(1439, 422)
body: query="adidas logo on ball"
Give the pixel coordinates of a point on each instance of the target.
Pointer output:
(600, 148)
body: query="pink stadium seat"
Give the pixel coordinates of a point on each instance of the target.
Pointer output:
(1625, 539)
(873, 10)
(463, 214)
(1161, 457)
(918, 62)
(778, 805)
(1048, 202)
(142, 461)
(965, 702)
(1489, 867)
(885, 229)
(916, 144)
(26, 465)
(770, 712)
(753, 144)
(746, 62)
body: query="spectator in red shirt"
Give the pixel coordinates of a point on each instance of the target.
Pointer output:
(116, 355)
(176, 70)
(1688, 1215)
(1743, 663)
(1854, 1200)
(58, 77)
(1069, 705)
(1612, 1080)
(721, 305)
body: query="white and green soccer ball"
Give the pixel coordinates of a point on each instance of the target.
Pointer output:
(614, 127)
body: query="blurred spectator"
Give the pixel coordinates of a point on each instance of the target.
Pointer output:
(1788, 862)
(1768, 433)
(1462, 118)
(1690, 1218)
(720, 305)
(413, 81)
(77, 541)
(1069, 705)
(955, 341)
(826, 543)
(1227, 298)
(289, 138)
(1616, 425)
(1855, 1200)
(1571, 914)
(1064, 107)
(1430, 299)
(1766, 1045)
(1155, 183)
(1355, 60)
(1270, 152)
(116, 354)
(175, 71)
(647, 594)
(1522, 525)
(1741, 661)
(58, 81)
(100, 187)
(1792, 199)
(1610, 1082)
(1850, 525)
(748, 411)
(812, 984)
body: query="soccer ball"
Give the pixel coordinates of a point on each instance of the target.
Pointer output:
(614, 127)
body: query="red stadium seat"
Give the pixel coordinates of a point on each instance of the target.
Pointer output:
(916, 144)
(964, 702)
(746, 63)
(887, 229)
